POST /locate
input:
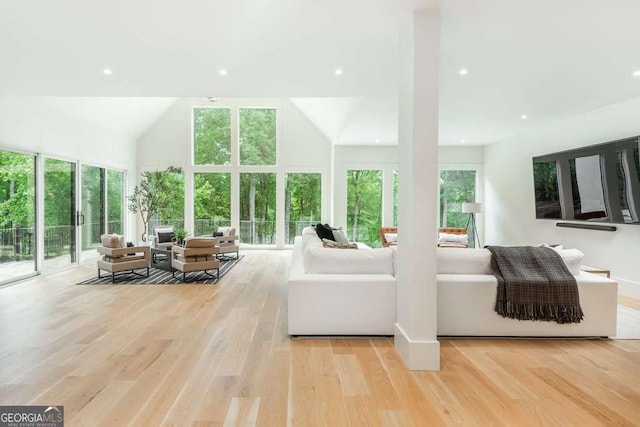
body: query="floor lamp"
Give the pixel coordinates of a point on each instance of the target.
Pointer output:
(472, 209)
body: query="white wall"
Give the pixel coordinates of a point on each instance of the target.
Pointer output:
(457, 155)
(31, 124)
(301, 146)
(510, 207)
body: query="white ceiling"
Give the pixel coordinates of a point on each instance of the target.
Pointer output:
(546, 59)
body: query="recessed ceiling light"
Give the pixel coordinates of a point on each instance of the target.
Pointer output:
(377, 141)
(222, 72)
(107, 71)
(636, 73)
(338, 72)
(523, 117)
(463, 141)
(463, 71)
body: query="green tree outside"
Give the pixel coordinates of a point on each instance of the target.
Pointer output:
(364, 206)
(257, 208)
(303, 200)
(212, 202)
(212, 136)
(257, 136)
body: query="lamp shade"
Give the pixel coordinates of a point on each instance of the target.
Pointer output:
(471, 207)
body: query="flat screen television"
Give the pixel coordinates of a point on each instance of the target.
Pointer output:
(598, 183)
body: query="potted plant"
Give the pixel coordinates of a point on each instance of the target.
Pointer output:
(151, 195)
(179, 235)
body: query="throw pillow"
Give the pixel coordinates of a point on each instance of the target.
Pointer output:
(217, 234)
(335, 245)
(339, 235)
(109, 241)
(324, 232)
(165, 237)
(452, 238)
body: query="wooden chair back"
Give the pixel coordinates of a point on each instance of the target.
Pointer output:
(384, 230)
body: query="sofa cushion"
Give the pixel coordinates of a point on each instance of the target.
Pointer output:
(124, 258)
(114, 241)
(572, 258)
(478, 261)
(310, 239)
(319, 260)
(464, 261)
(200, 242)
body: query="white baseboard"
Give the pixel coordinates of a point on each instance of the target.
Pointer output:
(628, 288)
(417, 355)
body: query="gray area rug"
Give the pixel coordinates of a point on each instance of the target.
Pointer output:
(628, 323)
(162, 277)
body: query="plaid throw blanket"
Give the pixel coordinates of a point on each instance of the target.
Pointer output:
(534, 284)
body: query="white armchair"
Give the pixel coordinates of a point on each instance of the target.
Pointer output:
(198, 254)
(162, 236)
(117, 258)
(227, 243)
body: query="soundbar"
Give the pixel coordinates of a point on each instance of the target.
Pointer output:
(587, 226)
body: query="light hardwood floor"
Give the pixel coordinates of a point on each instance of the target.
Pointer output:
(220, 355)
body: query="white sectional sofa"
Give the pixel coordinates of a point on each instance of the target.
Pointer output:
(353, 292)
(340, 291)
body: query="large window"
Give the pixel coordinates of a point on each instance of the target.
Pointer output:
(364, 206)
(17, 215)
(456, 187)
(212, 202)
(257, 208)
(211, 136)
(257, 136)
(302, 203)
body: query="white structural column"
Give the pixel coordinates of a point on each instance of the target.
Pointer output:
(415, 333)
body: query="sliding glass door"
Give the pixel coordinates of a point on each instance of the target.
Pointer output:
(92, 214)
(17, 216)
(72, 222)
(60, 214)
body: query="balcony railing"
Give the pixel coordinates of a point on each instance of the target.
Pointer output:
(257, 232)
(18, 243)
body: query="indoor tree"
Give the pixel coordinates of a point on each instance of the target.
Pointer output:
(153, 194)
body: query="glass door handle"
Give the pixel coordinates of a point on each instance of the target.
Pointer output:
(80, 218)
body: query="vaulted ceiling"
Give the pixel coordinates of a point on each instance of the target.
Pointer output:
(544, 59)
